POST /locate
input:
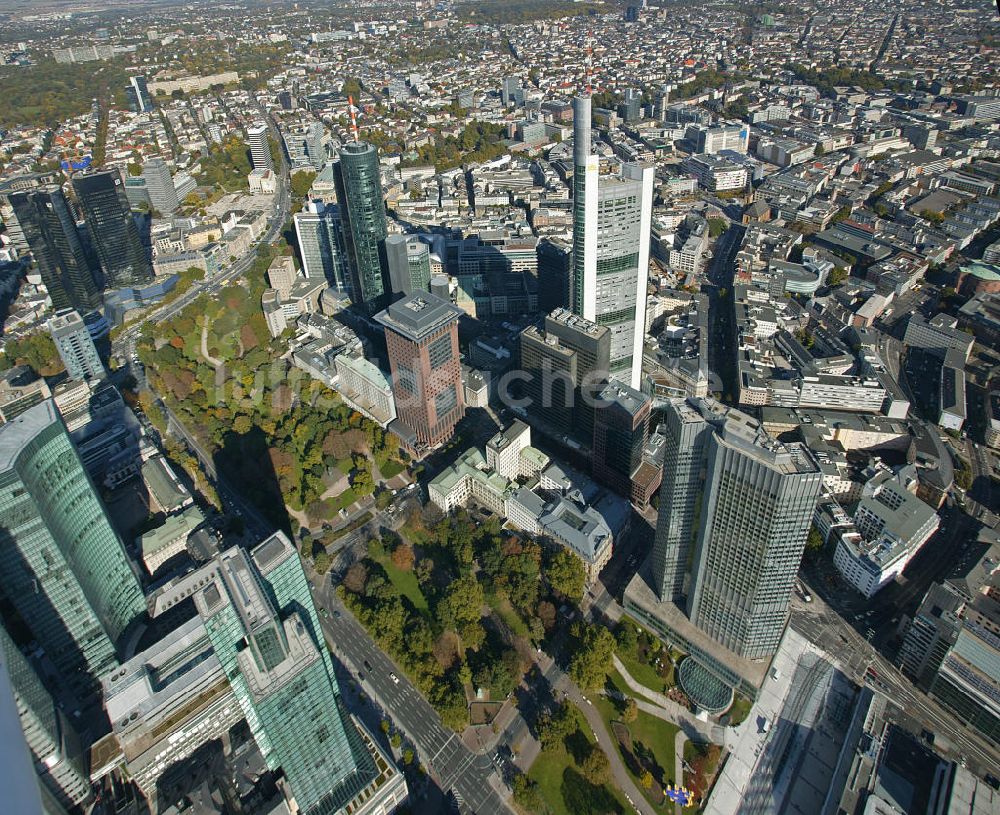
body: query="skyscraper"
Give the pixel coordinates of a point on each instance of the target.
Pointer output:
(409, 262)
(421, 334)
(49, 229)
(112, 229)
(138, 94)
(680, 496)
(748, 523)
(611, 221)
(621, 428)
(160, 185)
(320, 236)
(260, 147)
(54, 744)
(315, 147)
(75, 346)
(264, 629)
(63, 567)
(562, 358)
(359, 192)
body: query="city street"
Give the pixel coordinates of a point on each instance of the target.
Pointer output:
(448, 760)
(857, 657)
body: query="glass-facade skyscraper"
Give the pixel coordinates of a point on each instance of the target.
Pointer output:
(63, 567)
(261, 620)
(49, 231)
(735, 510)
(610, 270)
(319, 233)
(54, 744)
(113, 230)
(359, 192)
(409, 261)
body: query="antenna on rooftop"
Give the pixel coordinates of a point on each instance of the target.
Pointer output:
(354, 118)
(588, 64)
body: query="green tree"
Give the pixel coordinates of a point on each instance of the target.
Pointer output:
(596, 767)
(814, 542)
(554, 727)
(527, 794)
(717, 226)
(566, 575)
(301, 182)
(37, 351)
(352, 87)
(838, 274)
(627, 637)
(631, 710)
(591, 662)
(963, 478)
(462, 602)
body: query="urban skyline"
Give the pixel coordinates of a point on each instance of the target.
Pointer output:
(500, 407)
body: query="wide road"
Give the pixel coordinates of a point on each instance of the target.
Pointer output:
(724, 370)
(864, 665)
(441, 750)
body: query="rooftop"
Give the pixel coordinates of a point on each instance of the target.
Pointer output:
(419, 315)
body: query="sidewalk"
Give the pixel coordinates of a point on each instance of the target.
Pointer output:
(670, 711)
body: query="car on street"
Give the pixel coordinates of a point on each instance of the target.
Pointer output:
(368, 665)
(394, 678)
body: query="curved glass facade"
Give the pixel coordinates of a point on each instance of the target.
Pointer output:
(62, 564)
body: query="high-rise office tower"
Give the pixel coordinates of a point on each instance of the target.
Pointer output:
(359, 191)
(320, 235)
(555, 258)
(75, 346)
(562, 359)
(112, 229)
(264, 629)
(315, 147)
(138, 94)
(44, 218)
(409, 262)
(63, 567)
(680, 495)
(54, 744)
(630, 107)
(260, 147)
(160, 186)
(510, 91)
(611, 222)
(621, 428)
(421, 334)
(747, 522)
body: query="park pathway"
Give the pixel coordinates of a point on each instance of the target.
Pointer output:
(659, 705)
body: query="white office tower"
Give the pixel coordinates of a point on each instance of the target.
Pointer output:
(72, 340)
(318, 230)
(611, 221)
(260, 149)
(735, 510)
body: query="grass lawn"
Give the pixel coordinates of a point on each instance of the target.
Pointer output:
(512, 618)
(562, 785)
(391, 468)
(641, 670)
(405, 582)
(345, 499)
(740, 710)
(656, 735)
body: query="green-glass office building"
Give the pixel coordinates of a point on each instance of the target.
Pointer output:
(362, 209)
(63, 567)
(263, 626)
